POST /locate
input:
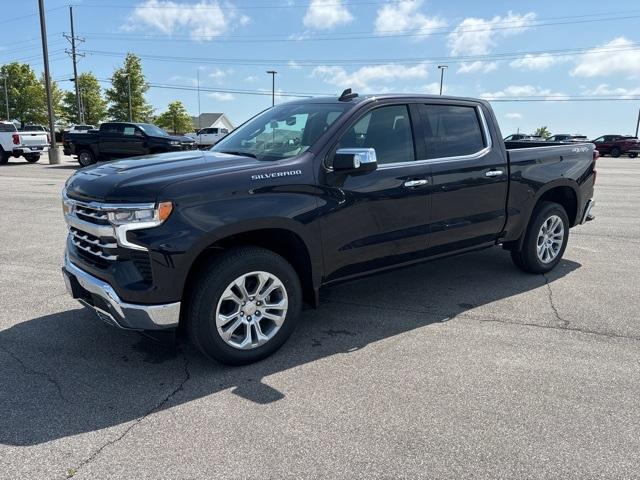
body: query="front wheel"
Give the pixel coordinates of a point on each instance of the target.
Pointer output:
(633, 155)
(615, 152)
(545, 239)
(245, 304)
(32, 157)
(86, 158)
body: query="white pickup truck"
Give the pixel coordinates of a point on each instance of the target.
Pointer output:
(28, 144)
(207, 137)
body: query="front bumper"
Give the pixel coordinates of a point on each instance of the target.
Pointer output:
(103, 300)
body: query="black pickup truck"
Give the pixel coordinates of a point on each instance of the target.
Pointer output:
(122, 140)
(227, 244)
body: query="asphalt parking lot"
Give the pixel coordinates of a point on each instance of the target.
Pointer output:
(460, 368)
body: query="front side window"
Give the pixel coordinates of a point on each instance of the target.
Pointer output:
(387, 130)
(281, 132)
(152, 130)
(452, 131)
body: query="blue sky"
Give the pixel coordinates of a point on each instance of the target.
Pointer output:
(576, 49)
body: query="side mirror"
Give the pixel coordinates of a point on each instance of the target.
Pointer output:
(355, 159)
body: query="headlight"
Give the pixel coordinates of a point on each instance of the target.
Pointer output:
(174, 142)
(141, 217)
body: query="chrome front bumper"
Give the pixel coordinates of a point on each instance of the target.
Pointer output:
(103, 300)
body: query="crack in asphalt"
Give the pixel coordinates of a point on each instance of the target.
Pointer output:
(563, 321)
(158, 406)
(32, 371)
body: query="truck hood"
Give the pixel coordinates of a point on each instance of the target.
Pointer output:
(140, 179)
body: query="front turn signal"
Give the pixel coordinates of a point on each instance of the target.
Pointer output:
(164, 210)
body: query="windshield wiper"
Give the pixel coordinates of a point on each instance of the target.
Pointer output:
(240, 154)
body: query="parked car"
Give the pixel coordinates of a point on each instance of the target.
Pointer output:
(122, 139)
(522, 137)
(568, 138)
(27, 144)
(229, 242)
(616, 145)
(207, 137)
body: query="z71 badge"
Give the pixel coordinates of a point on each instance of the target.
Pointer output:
(266, 176)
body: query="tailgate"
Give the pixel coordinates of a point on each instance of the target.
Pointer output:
(33, 139)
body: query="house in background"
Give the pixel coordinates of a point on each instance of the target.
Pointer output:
(215, 120)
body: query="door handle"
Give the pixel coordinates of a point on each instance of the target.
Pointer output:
(415, 183)
(494, 173)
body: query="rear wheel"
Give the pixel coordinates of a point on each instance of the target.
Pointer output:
(545, 239)
(86, 158)
(245, 304)
(615, 152)
(32, 157)
(4, 156)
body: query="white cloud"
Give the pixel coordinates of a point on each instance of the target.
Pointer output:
(537, 62)
(293, 65)
(221, 96)
(477, 36)
(251, 79)
(218, 73)
(369, 77)
(613, 58)
(201, 20)
(513, 115)
(524, 91)
(604, 90)
(404, 16)
(477, 67)
(326, 14)
(433, 88)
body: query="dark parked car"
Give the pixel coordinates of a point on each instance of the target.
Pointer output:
(567, 138)
(228, 243)
(616, 145)
(122, 139)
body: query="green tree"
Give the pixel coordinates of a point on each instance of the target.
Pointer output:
(175, 119)
(118, 94)
(542, 132)
(94, 106)
(56, 101)
(25, 93)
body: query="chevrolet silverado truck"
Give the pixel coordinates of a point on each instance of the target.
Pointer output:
(226, 245)
(28, 144)
(122, 140)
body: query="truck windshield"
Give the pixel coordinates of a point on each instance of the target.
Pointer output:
(281, 132)
(152, 130)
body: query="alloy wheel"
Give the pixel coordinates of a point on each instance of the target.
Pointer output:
(550, 239)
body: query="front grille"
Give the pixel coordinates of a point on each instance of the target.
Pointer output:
(98, 249)
(92, 215)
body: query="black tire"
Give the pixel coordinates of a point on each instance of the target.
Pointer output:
(86, 158)
(209, 286)
(615, 152)
(527, 259)
(633, 155)
(32, 157)
(4, 157)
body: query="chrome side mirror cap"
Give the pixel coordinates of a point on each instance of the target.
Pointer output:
(355, 159)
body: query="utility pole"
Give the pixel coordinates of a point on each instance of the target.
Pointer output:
(53, 150)
(198, 75)
(74, 58)
(6, 96)
(637, 123)
(128, 75)
(273, 86)
(442, 68)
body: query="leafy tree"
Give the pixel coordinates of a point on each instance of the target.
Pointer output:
(175, 119)
(94, 105)
(542, 132)
(56, 101)
(118, 94)
(25, 94)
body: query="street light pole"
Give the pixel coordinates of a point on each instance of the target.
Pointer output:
(53, 150)
(273, 86)
(442, 68)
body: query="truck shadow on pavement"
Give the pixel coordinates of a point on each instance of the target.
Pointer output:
(66, 374)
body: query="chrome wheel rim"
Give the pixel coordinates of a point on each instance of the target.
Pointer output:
(84, 158)
(251, 310)
(550, 239)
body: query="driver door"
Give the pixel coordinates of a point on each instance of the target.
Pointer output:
(377, 218)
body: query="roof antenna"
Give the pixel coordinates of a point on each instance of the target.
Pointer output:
(347, 95)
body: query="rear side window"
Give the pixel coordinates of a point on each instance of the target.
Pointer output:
(452, 131)
(387, 130)
(7, 127)
(111, 128)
